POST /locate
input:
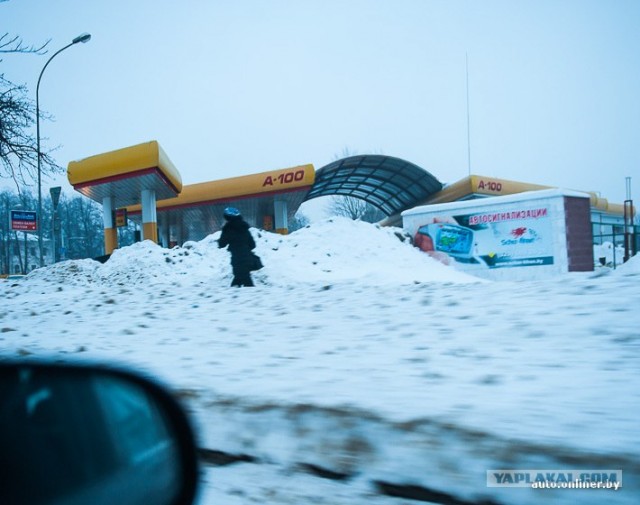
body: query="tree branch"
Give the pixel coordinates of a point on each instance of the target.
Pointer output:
(9, 44)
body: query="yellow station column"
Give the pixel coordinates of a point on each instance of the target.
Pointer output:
(110, 231)
(149, 215)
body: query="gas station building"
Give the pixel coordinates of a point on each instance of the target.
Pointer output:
(140, 183)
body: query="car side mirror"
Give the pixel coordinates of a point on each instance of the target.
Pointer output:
(75, 434)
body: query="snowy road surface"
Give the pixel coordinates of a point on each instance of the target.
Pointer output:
(360, 358)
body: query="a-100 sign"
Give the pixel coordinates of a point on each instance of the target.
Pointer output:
(283, 178)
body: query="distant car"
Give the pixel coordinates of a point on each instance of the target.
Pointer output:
(13, 277)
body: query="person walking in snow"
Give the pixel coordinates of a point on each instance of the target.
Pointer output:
(236, 235)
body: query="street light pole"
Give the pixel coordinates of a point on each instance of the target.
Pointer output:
(84, 37)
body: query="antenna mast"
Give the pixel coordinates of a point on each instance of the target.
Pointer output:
(466, 55)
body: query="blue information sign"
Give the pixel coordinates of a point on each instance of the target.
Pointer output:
(24, 220)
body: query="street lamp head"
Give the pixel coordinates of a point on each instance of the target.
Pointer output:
(83, 37)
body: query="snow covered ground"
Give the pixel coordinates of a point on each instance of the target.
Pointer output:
(359, 358)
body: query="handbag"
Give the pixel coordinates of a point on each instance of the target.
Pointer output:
(256, 262)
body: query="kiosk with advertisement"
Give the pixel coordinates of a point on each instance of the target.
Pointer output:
(528, 235)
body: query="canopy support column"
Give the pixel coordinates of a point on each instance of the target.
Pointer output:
(110, 232)
(165, 231)
(149, 215)
(280, 211)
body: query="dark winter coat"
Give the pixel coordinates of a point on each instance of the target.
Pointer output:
(236, 235)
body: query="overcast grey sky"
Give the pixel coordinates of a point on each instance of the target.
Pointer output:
(236, 87)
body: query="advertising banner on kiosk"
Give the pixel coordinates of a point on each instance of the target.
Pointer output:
(530, 235)
(510, 237)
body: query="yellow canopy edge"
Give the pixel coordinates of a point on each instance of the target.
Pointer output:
(281, 180)
(491, 186)
(122, 162)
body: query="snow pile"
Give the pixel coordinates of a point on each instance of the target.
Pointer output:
(148, 263)
(631, 267)
(76, 272)
(337, 250)
(341, 249)
(606, 254)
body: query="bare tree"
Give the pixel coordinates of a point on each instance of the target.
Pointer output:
(8, 201)
(355, 208)
(299, 221)
(82, 225)
(12, 248)
(350, 206)
(81, 221)
(18, 147)
(14, 44)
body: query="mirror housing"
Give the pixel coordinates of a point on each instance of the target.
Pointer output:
(77, 433)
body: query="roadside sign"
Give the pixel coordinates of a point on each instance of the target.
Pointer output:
(24, 220)
(55, 196)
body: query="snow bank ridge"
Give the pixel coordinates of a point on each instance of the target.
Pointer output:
(336, 250)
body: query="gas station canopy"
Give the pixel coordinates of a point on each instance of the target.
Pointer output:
(389, 183)
(124, 173)
(201, 205)
(142, 180)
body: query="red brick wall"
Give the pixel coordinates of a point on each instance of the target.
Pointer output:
(579, 234)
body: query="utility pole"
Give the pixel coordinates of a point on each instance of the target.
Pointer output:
(629, 227)
(55, 221)
(466, 55)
